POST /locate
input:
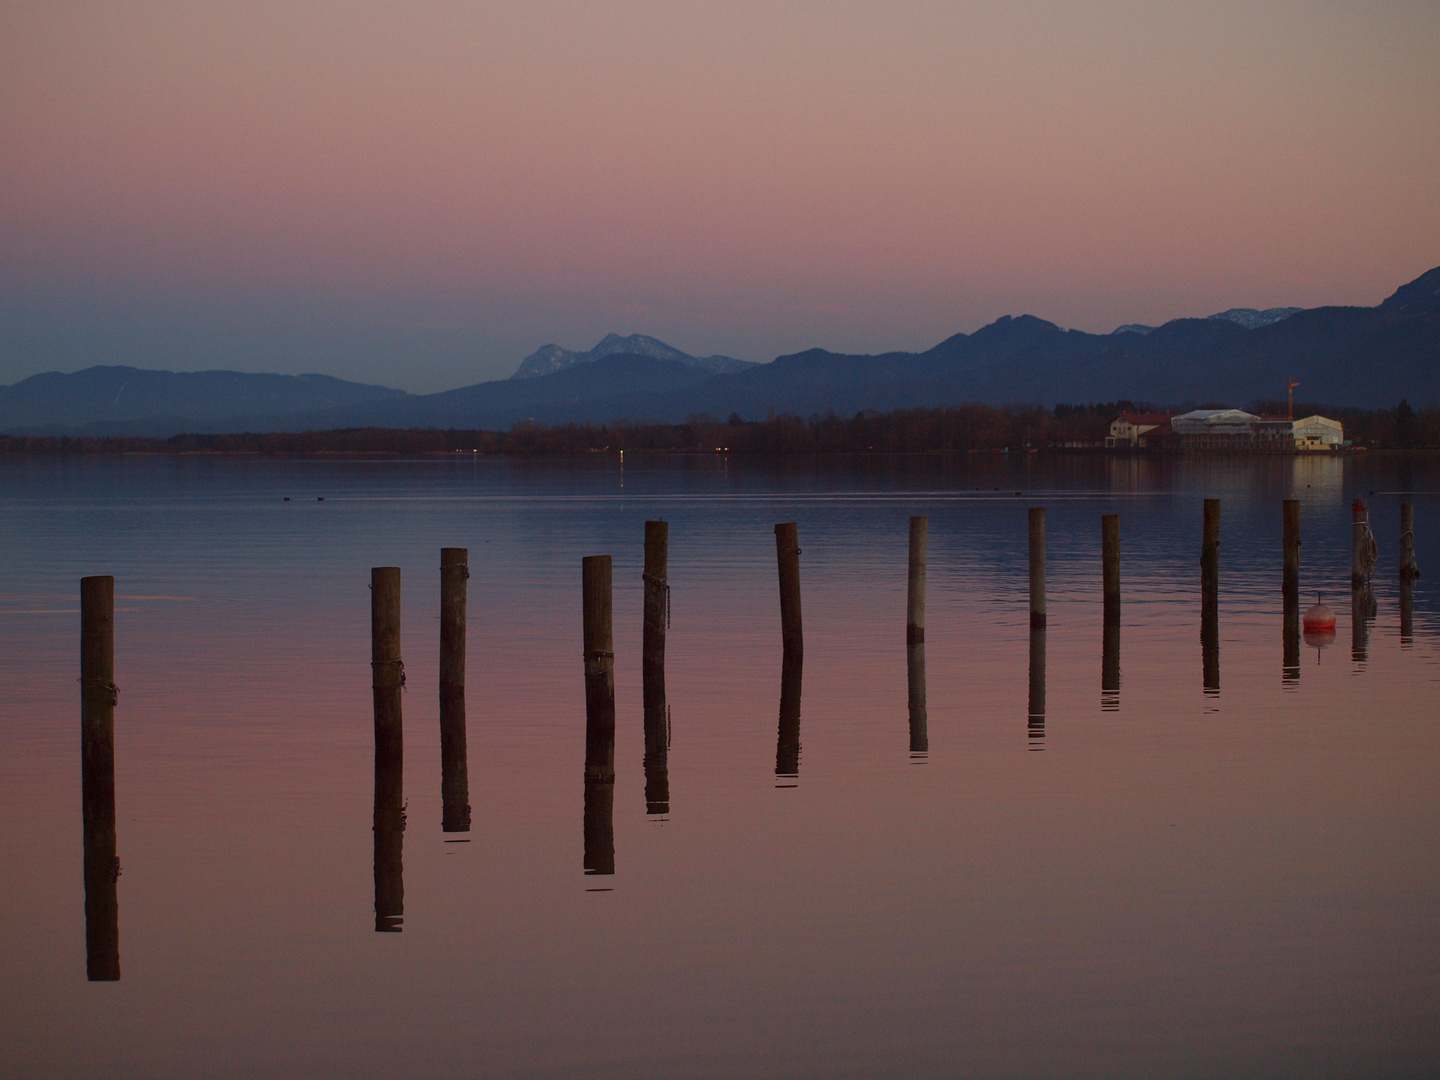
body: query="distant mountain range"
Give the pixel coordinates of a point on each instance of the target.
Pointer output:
(549, 359)
(1342, 355)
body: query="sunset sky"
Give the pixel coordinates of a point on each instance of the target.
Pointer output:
(420, 195)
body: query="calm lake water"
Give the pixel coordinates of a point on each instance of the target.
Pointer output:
(1151, 879)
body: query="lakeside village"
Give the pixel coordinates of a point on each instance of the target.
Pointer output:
(1225, 431)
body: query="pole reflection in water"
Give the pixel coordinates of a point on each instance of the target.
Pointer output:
(1407, 613)
(389, 829)
(1037, 688)
(1210, 642)
(1210, 600)
(657, 742)
(656, 623)
(599, 825)
(387, 681)
(97, 779)
(1290, 671)
(454, 771)
(919, 725)
(1362, 610)
(1110, 669)
(787, 740)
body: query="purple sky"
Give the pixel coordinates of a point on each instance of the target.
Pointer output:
(421, 195)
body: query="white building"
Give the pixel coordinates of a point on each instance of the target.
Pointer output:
(1318, 433)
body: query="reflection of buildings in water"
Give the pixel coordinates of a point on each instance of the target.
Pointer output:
(787, 739)
(657, 741)
(1210, 640)
(915, 679)
(1036, 726)
(1290, 669)
(1110, 669)
(102, 865)
(454, 770)
(1318, 479)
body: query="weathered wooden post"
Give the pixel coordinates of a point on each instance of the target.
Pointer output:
(454, 768)
(657, 593)
(1110, 668)
(787, 739)
(387, 679)
(1110, 543)
(915, 593)
(787, 553)
(598, 631)
(1362, 544)
(1291, 583)
(1037, 567)
(915, 678)
(1210, 544)
(1036, 727)
(97, 777)
(1409, 568)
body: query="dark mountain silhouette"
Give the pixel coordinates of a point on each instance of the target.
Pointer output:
(126, 400)
(1355, 356)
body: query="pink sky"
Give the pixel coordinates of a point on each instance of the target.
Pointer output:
(422, 195)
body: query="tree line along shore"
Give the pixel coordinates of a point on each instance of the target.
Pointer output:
(953, 429)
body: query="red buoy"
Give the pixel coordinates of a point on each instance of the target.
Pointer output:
(1319, 626)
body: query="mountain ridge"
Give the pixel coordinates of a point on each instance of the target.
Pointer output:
(1360, 356)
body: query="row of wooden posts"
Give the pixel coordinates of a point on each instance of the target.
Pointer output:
(98, 690)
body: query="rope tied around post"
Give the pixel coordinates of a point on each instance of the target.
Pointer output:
(598, 654)
(376, 664)
(651, 579)
(101, 684)
(1369, 551)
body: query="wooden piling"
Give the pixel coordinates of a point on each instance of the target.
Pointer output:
(454, 586)
(1037, 567)
(387, 678)
(1291, 583)
(454, 766)
(787, 554)
(915, 680)
(657, 594)
(1409, 567)
(915, 594)
(1361, 544)
(1036, 725)
(597, 602)
(97, 778)
(1210, 543)
(1110, 544)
